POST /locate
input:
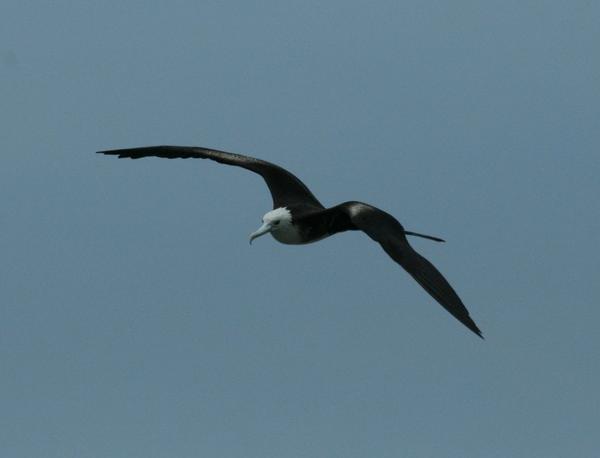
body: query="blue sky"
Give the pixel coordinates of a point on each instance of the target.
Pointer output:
(138, 322)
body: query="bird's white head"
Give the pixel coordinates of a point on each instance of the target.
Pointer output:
(274, 221)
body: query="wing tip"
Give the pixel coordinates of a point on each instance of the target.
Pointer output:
(120, 153)
(112, 152)
(473, 327)
(164, 151)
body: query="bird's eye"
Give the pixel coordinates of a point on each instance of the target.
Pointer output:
(276, 223)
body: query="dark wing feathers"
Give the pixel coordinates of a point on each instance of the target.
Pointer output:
(286, 189)
(387, 231)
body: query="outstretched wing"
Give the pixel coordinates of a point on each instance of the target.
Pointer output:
(389, 233)
(286, 189)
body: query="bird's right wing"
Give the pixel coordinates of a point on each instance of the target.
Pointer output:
(389, 233)
(286, 189)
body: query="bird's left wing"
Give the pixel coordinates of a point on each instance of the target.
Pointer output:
(389, 233)
(286, 189)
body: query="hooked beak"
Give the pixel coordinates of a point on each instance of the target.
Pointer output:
(266, 227)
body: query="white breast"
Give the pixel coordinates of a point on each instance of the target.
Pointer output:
(288, 234)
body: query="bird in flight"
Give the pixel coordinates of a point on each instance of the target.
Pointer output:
(299, 218)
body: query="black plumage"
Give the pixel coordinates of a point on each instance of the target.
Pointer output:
(313, 221)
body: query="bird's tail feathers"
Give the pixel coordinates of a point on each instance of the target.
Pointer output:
(430, 237)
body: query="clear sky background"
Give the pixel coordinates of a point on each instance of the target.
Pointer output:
(135, 319)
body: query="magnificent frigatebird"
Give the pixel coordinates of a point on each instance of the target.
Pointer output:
(298, 217)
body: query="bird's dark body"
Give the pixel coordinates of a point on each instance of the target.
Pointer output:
(316, 224)
(311, 221)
